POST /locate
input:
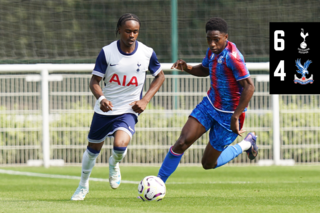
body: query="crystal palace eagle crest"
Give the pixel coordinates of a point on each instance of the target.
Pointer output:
(303, 70)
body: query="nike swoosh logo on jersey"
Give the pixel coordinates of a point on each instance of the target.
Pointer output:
(130, 129)
(111, 65)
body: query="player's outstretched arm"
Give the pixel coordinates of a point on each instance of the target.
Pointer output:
(140, 106)
(247, 93)
(95, 88)
(197, 70)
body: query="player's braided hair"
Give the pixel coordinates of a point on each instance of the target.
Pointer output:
(126, 17)
(217, 23)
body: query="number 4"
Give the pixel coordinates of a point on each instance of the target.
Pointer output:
(279, 72)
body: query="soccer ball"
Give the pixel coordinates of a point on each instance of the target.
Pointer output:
(151, 188)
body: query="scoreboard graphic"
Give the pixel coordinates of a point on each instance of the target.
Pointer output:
(294, 58)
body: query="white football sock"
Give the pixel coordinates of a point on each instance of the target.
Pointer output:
(245, 145)
(88, 161)
(116, 157)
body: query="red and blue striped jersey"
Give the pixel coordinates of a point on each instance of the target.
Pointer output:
(226, 69)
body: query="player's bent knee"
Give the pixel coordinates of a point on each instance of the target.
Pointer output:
(96, 146)
(121, 143)
(207, 165)
(181, 145)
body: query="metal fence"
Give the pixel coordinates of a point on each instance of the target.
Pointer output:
(70, 110)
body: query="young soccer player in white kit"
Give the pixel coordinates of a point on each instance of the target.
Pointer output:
(122, 65)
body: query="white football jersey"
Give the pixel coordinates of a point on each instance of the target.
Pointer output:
(124, 75)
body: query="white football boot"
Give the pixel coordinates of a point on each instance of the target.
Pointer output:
(80, 193)
(114, 175)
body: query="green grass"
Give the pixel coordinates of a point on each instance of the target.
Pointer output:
(190, 189)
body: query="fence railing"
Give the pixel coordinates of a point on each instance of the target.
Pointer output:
(46, 110)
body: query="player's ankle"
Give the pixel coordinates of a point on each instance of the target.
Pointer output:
(245, 145)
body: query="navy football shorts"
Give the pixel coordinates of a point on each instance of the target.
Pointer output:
(103, 126)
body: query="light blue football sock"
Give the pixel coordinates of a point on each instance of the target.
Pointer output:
(169, 165)
(228, 154)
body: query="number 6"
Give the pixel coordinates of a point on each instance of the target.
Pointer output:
(278, 40)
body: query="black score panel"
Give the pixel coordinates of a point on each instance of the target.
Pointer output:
(294, 58)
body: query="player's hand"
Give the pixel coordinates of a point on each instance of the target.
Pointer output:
(105, 105)
(235, 126)
(180, 65)
(139, 106)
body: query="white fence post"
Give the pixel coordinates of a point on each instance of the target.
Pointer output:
(276, 129)
(45, 117)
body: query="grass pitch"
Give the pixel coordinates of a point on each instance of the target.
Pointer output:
(189, 189)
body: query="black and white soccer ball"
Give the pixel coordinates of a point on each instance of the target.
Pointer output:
(151, 188)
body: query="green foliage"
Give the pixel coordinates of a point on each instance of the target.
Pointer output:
(15, 126)
(157, 127)
(73, 31)
(66, 126)
(19, 130)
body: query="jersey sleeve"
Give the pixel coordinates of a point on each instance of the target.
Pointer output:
(205, 61)
(101, 65)
(236, 63)
(154, 65)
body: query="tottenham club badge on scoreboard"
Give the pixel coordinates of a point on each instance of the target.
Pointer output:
(294, 65)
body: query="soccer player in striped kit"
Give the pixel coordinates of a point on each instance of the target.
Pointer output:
(122, 65)
(222, 110)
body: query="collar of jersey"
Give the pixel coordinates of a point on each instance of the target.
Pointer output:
(222, 52)
(123, 53)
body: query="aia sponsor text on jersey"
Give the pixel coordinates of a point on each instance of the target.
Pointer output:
(133, 81)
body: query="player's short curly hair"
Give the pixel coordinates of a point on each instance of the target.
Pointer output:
(217, 23)
(126, 17)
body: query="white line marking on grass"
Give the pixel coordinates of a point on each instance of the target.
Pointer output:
(32, 174)
(243, 182)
